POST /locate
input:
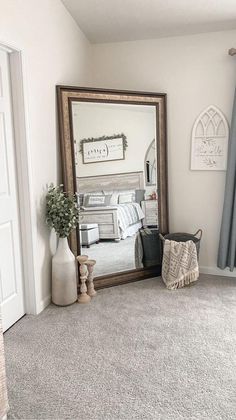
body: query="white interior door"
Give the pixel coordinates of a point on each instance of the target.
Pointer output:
(11, 273)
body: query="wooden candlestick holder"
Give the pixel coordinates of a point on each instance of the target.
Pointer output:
(90, 265)
(83, 297)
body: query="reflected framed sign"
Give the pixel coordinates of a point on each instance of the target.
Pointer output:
(103, 149)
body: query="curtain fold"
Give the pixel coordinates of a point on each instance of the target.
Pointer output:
(227, 244)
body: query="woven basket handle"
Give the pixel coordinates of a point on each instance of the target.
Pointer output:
(199, 231)
(161, 237)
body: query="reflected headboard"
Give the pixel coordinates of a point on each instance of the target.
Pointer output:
(110, 182)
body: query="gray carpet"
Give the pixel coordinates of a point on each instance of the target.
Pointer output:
(119, 256)
(138, 351)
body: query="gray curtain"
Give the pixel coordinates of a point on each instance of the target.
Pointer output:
(227, 245)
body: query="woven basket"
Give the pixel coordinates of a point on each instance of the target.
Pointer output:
(152, 249)
(184, 237)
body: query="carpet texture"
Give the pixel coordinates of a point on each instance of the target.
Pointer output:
(138, 351)
(119, 256)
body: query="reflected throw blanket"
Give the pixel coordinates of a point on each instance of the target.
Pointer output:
(180, 264)
(3, 387)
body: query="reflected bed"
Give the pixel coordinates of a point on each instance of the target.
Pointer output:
(114, 222)
(113, 202)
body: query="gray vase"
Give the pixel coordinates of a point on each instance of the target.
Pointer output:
(64, 275)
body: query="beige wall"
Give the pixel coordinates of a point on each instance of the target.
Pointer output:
(195, 71)
(96, 120)
(54, 52)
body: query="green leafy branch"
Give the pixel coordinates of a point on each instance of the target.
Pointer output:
(62, 212)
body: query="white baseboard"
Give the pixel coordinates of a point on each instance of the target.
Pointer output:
(215, 271)
(43, 303)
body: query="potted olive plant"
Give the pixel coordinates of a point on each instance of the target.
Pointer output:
(62, 214)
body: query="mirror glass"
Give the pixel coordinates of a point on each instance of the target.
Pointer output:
(116, 178)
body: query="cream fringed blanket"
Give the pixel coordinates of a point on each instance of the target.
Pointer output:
(180, 264)
(3, 387)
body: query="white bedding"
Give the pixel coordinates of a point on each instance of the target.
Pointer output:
(131, 230)
(128, 214)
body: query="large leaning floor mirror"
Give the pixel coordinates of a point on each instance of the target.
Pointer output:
(113, 149)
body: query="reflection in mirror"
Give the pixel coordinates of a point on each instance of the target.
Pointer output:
(116, 198)
(150, 164)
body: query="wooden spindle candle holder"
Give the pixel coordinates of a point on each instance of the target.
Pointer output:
(90, 265)
(83, 297)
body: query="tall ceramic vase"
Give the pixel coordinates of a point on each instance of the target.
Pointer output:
(64, 278)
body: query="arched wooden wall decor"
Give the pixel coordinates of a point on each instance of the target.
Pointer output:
(210, 141)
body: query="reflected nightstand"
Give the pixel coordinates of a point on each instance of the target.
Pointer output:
(150, 210)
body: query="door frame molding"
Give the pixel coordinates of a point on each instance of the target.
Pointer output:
(23, 170)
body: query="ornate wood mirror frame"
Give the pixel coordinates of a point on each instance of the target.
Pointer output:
(68, 94)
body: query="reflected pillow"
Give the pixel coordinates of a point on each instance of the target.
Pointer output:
(80, 199)
(126, 198)
(97, 200)
(91, 193)
(114, 198)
